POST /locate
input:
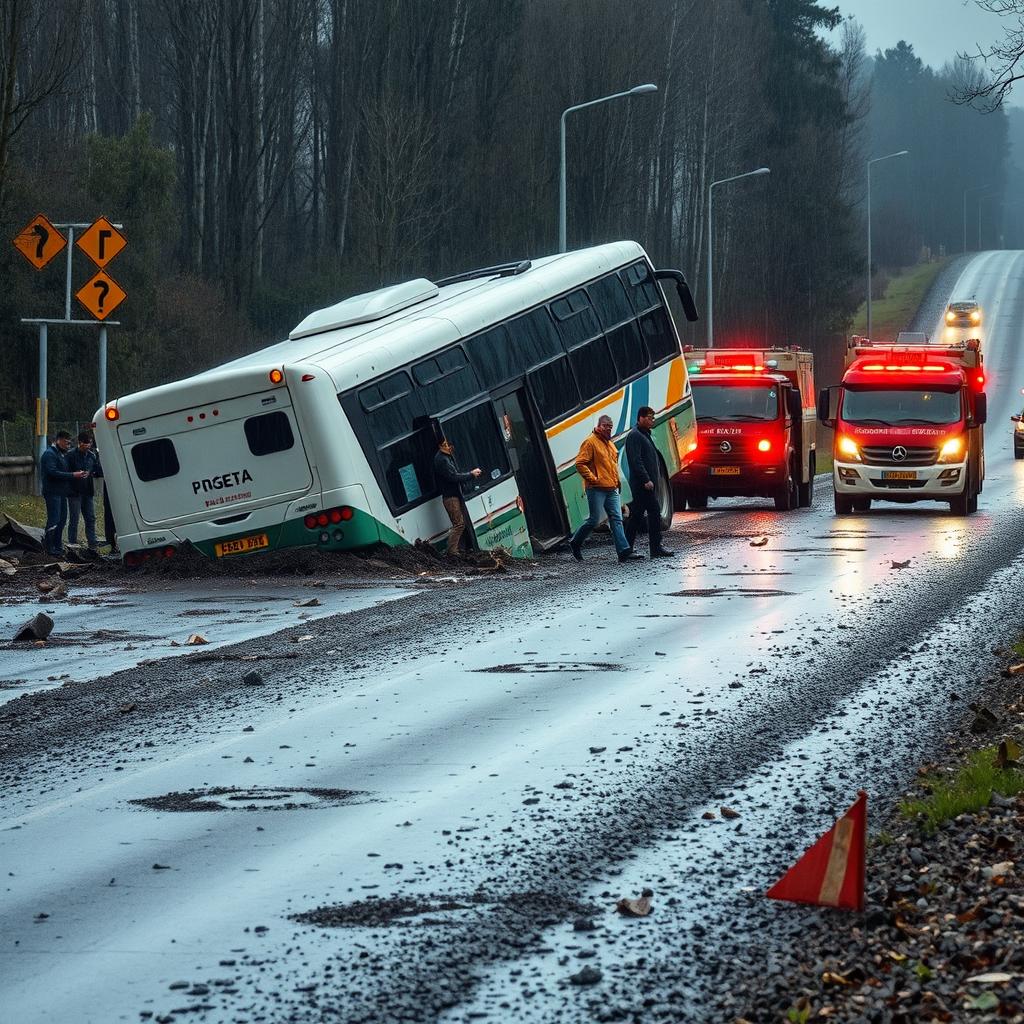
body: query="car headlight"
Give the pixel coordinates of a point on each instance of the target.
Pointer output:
(976, 317)
(950, 317)
(848, 448)
(952, 450)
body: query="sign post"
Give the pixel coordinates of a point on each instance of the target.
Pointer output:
(40, 241)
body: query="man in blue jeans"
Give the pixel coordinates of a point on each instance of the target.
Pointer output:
(82, 500)
(56, 480)
(598, 464)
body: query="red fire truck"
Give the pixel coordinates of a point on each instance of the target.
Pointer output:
(755, 427)
(908, 422)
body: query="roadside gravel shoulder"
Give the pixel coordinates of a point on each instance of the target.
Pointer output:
(938, 295)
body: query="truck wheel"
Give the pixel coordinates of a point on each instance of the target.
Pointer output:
(844, 505)
(664, 494)
(807, 490)
(787, 496)
(1018, 453)
(679, 497)
(696, 499)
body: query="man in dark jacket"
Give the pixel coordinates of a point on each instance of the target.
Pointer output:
(56, 480)
(644, 470)
(81, 501)
(449, 481)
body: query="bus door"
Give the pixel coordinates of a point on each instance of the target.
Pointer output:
(534, 472)
(492, 498)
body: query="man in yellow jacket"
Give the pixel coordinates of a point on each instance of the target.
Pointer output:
(598, 464)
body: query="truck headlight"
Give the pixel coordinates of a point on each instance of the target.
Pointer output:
(950, 317)
(848, 448)
(952, 450)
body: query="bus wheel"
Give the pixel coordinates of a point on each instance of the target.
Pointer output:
(844, 505)
(663, 491)
(696, 500)
(807, 490)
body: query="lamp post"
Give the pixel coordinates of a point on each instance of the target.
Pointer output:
(711, 238)
(877, 159)
(637, 90)
(975, 188)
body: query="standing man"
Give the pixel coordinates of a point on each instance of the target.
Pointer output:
(644, 470)
(56, 479)
(449, 481)
(83, 492)
(598, 464)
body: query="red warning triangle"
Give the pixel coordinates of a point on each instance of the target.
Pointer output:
(831, 872)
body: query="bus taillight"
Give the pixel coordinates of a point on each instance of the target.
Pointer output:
(346, 513)
(310, 522)
(335, 515)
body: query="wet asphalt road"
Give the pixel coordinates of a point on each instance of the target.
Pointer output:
(505, 758)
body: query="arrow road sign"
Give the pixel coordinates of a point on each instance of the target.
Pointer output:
(101, 242)
(101, 296)
(39, 241)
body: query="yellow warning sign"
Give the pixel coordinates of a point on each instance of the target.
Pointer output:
(101, 242)
(101, 296)
(39, 241)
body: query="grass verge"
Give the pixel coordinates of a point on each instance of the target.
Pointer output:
(970, 788)
(903, 297)
(26, 508)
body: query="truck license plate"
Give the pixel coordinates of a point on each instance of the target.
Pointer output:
(901, 474)
(725, 470)
(242, 545)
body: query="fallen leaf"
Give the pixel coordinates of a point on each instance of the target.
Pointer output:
(986, 1001)
(1014, 670)
(709, 816)
(195, 639)
(992, 978)
(833, 978)
(634, 908)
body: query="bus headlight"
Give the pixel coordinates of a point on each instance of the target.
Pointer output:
(952, 450)
(848, 448)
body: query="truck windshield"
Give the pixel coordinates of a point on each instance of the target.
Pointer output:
(898, 407)
(732, 402)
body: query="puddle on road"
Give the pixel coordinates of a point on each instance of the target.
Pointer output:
(731, 592)
(255, 798)
(386, 911)
(530, 667)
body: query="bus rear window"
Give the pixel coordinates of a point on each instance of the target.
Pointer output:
(155, 460)
(269, 433)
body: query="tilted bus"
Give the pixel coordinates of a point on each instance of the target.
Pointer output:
(327, 439)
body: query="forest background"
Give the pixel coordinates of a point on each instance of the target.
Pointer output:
(268, 157)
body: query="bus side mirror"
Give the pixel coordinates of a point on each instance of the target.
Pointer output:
(682, 290)
(828, 401)
(980, 409)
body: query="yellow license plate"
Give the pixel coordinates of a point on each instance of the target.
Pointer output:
(900, 475)
(242, 545)
(725, 470)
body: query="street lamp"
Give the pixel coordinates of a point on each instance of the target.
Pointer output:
(877, 159)
(637, 90)
(976, 188)
(710, 299)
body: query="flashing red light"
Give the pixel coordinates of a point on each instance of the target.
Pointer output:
(764, 445)
(276, 376)
(169, 552)
(980, 380)
(346, 513)
(111, 413)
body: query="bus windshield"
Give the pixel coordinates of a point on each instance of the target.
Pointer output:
(747, 402)
(901, 406)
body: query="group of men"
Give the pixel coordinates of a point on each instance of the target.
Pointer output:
(598, 465)
(67, 477)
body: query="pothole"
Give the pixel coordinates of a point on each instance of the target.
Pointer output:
(531, 667)
(387, 911)
(193, 612)
(253, 798)
(731, 592)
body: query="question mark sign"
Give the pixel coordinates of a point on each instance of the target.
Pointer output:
(104, 288)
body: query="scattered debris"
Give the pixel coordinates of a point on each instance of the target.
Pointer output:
(588, 976)
(899, 565)
(37, 628)
(728, 812)
(309, 602)
(1013, 670)
(252, 679)
(195, 640)
(759, 543)
(635, 908)
(126, 708)
(983, 719)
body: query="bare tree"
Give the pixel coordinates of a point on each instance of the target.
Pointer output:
(988, 85)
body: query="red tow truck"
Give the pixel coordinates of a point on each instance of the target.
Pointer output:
(908, 422)
(755, 426)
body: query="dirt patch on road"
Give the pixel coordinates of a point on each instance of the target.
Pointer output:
(254, 798)
(731, 592)
(530, 667)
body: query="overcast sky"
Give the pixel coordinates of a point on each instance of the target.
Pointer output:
(937, 28)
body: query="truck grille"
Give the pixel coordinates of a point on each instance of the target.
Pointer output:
(711, 453)
(881, 455)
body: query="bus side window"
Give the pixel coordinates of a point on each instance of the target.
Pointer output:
(477, 441)
(554, 389)
(628, 350)
(593, 367)
(659, 335)
(609, 298)
(405, 465)
(642, 288)
(575, 318)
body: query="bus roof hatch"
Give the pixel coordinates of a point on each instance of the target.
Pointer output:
(361, 309)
